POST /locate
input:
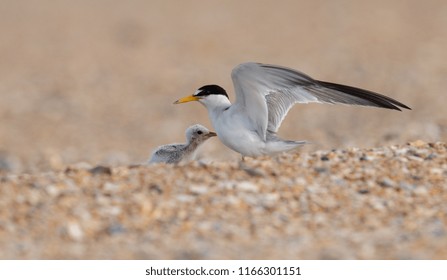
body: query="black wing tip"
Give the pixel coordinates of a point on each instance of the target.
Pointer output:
(405, 107)
(378, 99)
(397, 106)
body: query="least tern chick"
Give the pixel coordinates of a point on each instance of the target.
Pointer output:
(196, 135)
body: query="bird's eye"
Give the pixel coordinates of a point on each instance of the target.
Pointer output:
(199, 132)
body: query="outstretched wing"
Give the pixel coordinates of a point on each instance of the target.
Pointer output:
(267, 92)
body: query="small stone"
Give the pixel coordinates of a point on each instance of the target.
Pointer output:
(418, 143)
(270, 199)
(431, 156)
(363, 158)
(436, 171)
(232, 200)
(198, 189)
(321, 169)
(247, 186)
(52, 190)
(406, 186)
(155, 188)
(402, 151)
(420, 191)
(112, 210)
(111, 187)
(101, 170)
(300, 181)
(79, 165)
(254, 172)
(378, 205)
(324, 158)
(226, 185)
(74, 231)
(115, 229)
(369, 156)
(250, 199)
(9, 162)
(415, 158)
(326, 202)
(185, 198)
(387, 183)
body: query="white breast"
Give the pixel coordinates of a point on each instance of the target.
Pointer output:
(236, 132)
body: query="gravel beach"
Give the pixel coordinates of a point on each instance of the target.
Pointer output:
(381, 203)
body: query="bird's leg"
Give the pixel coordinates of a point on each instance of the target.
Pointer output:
(242, 163)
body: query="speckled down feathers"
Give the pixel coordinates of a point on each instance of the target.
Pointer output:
(196, 135)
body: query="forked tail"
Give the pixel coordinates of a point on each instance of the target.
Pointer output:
(277, 145)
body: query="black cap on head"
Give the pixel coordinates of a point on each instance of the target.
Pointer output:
(211, 89)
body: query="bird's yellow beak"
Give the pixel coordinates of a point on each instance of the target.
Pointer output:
(187, 99)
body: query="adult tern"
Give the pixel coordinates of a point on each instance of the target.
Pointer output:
(264, 95)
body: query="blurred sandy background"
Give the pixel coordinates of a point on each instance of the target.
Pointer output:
(95, 80)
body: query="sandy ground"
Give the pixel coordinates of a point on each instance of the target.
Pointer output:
(92, 82)
(382, 203)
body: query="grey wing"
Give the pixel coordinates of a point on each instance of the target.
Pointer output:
(282, 87)
(168, 154)
(250, 96)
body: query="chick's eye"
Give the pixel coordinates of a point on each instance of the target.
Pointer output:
(199, 132)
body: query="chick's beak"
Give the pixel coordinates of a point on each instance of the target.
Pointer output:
(187, 99)
(212, 134)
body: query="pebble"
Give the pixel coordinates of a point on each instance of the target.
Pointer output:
(387, 183)
(74, 231)
(111, 187)
(437, 171)
(98, 170)
(185, 198)
(418, 144)
(270, 199)
(420, 191)
(246, 186)
(199, 189)
(115, 229)
(226, 185)
(9, 163)
(407, 186)
(112, 211)
(52, 190)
